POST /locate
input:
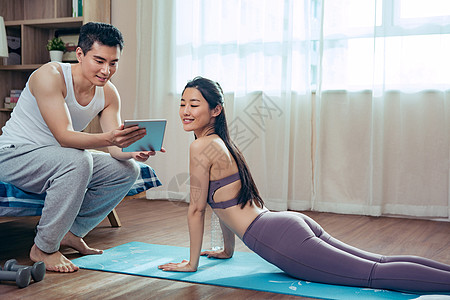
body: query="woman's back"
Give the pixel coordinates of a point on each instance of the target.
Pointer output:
(223, 165)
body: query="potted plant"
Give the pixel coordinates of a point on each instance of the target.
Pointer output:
(56, 47)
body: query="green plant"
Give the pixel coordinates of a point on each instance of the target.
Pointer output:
(56, 44)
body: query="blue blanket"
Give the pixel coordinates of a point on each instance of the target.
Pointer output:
(16, 202)
(245, 270)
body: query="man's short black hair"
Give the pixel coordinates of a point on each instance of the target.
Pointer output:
(103, 33)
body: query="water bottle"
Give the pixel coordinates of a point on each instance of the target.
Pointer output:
(216, 233)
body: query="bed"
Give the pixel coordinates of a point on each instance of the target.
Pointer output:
(15, 202)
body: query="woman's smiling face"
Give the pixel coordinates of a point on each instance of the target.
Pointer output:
(195, 113)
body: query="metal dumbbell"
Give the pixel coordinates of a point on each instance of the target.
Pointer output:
(37, 270)
(22, 277)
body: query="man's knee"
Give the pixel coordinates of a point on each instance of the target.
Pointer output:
(79, 163)
(82, 160)
(126, 170)
(132, 168)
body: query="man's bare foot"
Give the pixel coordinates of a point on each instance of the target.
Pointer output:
(77, 243)
(53, 261)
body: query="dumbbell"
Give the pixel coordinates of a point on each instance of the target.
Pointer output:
(37, 270)
(22, 277)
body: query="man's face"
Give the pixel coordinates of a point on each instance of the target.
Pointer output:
(100, 63)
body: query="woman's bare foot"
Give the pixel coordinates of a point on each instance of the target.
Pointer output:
(53, 261)
(77, 243)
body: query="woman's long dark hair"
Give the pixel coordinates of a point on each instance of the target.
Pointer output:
(213, 94)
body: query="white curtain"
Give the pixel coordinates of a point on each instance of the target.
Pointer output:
(334, 108)
(383, 107)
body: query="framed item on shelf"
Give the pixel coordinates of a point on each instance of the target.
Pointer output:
(71, 41)
(14, 50)
(70, 38)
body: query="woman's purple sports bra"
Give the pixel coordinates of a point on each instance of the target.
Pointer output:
(215, 185)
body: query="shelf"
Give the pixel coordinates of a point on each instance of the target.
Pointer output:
(24, 68)
(34, 22)
(48, 23)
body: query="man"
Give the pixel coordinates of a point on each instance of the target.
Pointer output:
(42, 148)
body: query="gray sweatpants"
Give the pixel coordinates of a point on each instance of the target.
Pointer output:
(81, 187)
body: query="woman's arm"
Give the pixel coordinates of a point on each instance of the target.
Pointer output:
(228, 244)
(228, 240)
(196, 223)
(199, 165)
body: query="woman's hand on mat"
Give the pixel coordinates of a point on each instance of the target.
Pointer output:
(216, 254)
(183, 266)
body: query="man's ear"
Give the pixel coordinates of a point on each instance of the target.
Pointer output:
(217, 110)
(79, 53)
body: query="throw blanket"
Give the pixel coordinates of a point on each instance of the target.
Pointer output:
(16, 203)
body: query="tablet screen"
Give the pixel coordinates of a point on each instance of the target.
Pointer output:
(153, 140)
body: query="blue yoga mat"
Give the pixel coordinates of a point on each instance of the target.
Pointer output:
(245, 270)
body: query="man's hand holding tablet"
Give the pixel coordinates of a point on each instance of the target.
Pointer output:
(153, 140)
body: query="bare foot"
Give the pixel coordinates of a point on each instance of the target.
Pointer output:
(53, 261)
(77, 243)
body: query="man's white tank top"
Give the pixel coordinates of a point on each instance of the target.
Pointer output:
(26, 125)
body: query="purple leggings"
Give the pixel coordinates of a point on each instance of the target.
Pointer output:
(300, 247)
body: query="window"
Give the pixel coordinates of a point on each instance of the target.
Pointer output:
(395, 44)
(356, 44)
(258, 39)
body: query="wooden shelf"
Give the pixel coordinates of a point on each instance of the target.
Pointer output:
(31, 67)
(49, 23)
(33, 23)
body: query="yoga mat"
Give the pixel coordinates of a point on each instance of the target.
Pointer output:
(245, 270)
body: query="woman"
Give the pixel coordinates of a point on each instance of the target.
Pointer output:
(292, 241)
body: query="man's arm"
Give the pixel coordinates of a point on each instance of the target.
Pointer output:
(48, 87)
(110, 120)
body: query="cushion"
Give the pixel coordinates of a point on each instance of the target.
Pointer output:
(15, 202)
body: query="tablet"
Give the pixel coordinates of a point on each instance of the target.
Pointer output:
(153, 140)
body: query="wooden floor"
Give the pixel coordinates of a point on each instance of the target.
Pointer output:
(164, 222)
